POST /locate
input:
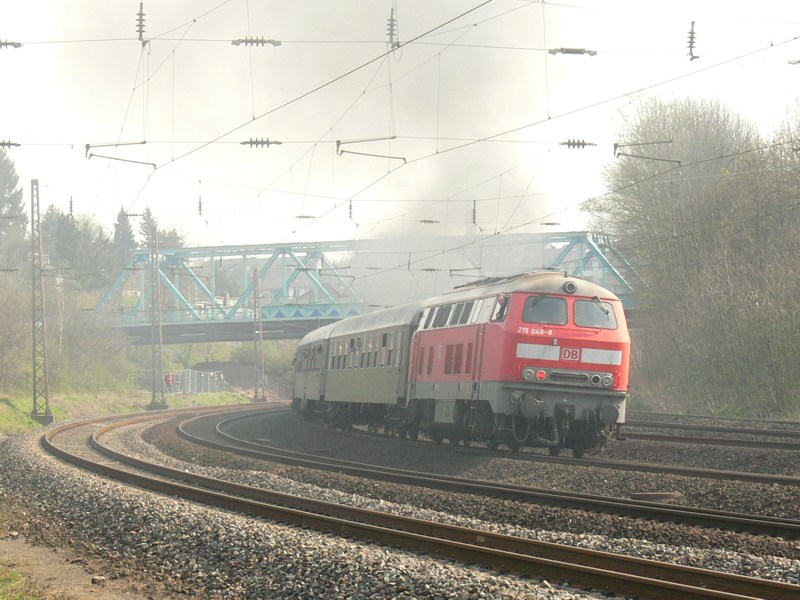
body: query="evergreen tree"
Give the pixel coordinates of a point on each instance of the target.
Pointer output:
(148, 229)
(13, 217)
(124, 242)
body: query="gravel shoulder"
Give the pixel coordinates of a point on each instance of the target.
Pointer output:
(62, 574)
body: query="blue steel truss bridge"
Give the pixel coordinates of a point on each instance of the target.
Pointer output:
(283, 291)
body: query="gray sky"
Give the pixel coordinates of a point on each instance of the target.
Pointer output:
(476, 104)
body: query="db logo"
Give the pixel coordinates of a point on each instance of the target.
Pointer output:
(573, 354)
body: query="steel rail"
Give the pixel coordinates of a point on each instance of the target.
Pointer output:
(678, 439)
(712, 418)
(788, 433)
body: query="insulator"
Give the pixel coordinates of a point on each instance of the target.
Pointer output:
(140, 22)
(257, 143)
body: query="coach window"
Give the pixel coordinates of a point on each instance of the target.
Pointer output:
(389, 345)
(595, 313)
(401, 348)
(547, 310)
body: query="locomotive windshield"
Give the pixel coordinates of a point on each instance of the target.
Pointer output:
(595, 313)
(546, 310)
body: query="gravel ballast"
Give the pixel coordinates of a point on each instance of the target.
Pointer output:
(199, 551)
(190, 549)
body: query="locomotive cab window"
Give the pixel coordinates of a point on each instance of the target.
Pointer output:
(547, 310)
(500, 308)
(595, 313)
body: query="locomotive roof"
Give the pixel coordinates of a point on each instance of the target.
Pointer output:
(542, 282)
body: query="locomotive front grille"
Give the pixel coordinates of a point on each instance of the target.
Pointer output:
(569, 377)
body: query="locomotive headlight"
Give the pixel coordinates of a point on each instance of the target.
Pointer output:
(608, 380)
(528, 374)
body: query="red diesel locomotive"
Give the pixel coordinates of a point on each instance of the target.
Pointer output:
(539, 359)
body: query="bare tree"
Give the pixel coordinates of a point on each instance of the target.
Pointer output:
(706, 210)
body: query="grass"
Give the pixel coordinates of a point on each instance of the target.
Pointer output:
(15, 417)
(15, 586)
(15, 411)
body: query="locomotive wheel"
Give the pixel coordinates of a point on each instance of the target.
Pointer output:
(414, 432)
(454, 439)
(437, 438)
(514, 447)
(578, 452)
(554, 450)
(387, 429)
(493, 443)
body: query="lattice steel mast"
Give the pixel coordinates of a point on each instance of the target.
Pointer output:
(41, 390)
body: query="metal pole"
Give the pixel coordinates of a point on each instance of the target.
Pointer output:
(41, 389)
(158, 400)
(259, 392)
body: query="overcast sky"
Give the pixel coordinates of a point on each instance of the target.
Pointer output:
(476, 105)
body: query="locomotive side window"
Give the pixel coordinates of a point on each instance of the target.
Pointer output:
(456, 314)
(595, 313)
(464, 319)
(476, 314)
(546, 310)
(442, 315)
(429, 312)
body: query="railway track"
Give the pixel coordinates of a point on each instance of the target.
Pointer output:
(81, 444)
(644, 509)
(682, 418)
(740, 434)
(642, 467)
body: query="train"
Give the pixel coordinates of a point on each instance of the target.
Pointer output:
(538, 359)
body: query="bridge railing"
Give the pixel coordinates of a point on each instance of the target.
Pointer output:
(173, 316)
